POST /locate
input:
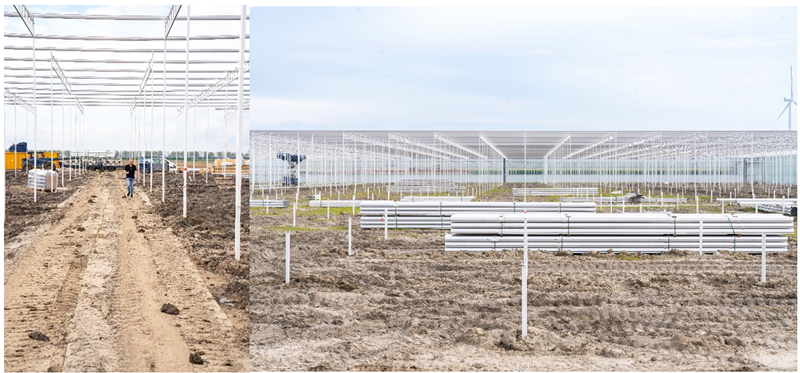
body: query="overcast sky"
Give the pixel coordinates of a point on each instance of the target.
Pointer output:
(108, 128)
(611, 68)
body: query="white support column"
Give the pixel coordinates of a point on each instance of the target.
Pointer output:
(186, 115)
(763, 257)
(240, 117)
(288, 244)
(525, 280)
(349, 236)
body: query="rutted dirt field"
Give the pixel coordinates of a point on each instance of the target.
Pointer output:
(87, 292)
(404, 304)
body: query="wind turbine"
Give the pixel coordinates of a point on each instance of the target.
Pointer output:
(789, 101)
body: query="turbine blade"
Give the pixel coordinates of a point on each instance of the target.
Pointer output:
(784, 110)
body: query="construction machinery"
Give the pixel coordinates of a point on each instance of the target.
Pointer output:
(293, 160)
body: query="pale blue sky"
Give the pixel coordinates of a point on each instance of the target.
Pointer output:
(547, 68)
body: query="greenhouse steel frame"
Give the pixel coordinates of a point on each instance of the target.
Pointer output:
(127, 74)
(476, 161)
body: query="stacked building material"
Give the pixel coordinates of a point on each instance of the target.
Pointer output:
(271, 203)
(437, 214)
(425, 186)
(437, 199)
(336, 203)
(646, 233)
(538, 192)
(42, 179)
(772, 205)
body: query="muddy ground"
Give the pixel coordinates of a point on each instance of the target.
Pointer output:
(89, 292)
(208, 235)
(404, 304)
(22, 212)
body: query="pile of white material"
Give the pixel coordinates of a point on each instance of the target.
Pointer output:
(336, 203)
(437, 214)
(645, 233)
(538, 192)
(437, 199)
(271, 203)
(42, 179)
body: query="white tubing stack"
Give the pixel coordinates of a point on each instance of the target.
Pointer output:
(271, 203)
(437, 215)
(336, 203)
(646, 233)
(540, 192)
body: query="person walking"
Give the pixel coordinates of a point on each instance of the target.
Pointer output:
(130, 169)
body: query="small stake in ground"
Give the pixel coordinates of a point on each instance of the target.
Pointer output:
(354, 204)
(763, 257)
(329, 209)
(386, 224)
(294, 215)
(525, 281)
(288, 239)
(701, 236)
(349, 236)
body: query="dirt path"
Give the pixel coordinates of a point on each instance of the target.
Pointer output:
(93, 285)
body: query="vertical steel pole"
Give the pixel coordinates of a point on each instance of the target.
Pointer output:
(164, 139)
(288, 240)
(35, 115)
(186, 113)
(525, 281)
(763, 257)
(350, 236)
(240, 117)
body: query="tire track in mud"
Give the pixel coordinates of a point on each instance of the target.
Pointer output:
(201, 323)
(42, 290)
(94, 283)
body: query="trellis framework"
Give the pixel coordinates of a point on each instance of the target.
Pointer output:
(678, 162)
(122, 70)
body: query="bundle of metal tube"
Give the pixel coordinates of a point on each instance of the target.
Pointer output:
(640, 244)
(437, 214)
(437, 199)
(535, 192)
(336, 203)
(647, 233)
(272, 203)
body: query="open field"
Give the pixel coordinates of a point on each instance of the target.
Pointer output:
(404, 304)
(86, 291)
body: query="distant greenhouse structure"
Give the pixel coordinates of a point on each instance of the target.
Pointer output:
(455, 161)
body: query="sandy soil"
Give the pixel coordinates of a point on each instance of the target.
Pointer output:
(86, 293)
(404, 304)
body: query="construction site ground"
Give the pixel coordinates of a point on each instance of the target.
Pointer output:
(98, 282)
(405, 304)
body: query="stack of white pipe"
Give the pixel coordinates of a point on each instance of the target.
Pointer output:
(437, 199)
(538, 192)
(336, 203)
(647, 233)
(272, 203)
(437, 214)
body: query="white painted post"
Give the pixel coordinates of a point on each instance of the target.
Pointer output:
(349, 236)
(701, 236)
(329, 209)
(763, 257)
(294, 215)
(386, 224)
(288, 239)
(756, 208)
(623, 205)
(354, 204)
(525, 281)
(696, 204)
(640, 207)
(662, 197)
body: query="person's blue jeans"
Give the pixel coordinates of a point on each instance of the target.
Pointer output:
(130, 186)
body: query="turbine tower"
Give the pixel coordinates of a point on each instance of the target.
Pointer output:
(789, 101)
